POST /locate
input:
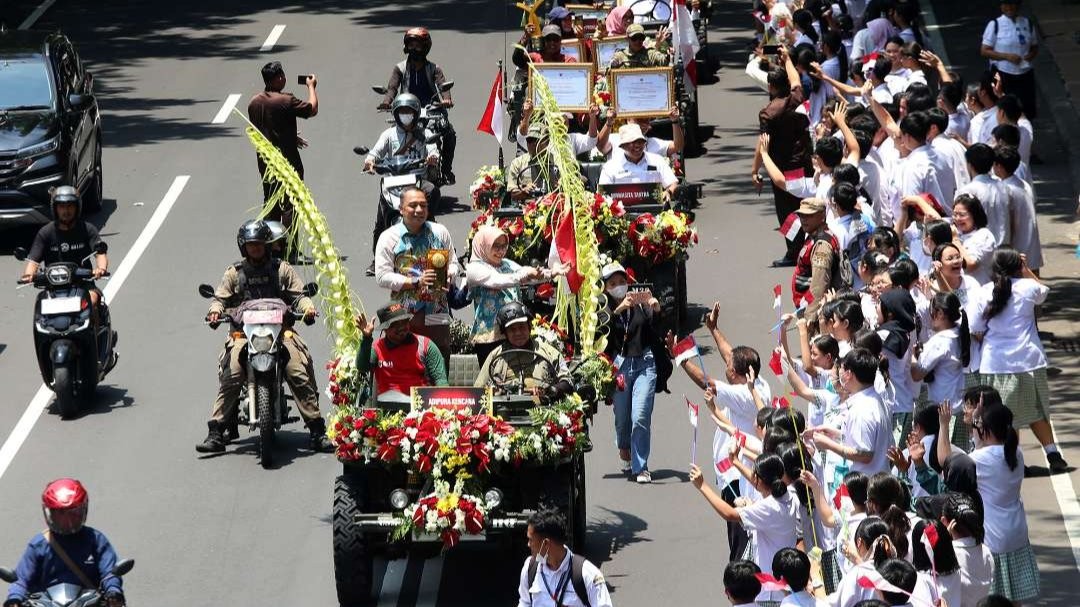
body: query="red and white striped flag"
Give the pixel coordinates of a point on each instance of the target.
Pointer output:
(684, 40)
(872, 580)
(929, 541)
(685, 349)
(775, 364)
(780, 402)
(771, 584)
(492, 120)
(777, 291)
(723, 465)
(842, 499)
(692, 409)
(791, 226)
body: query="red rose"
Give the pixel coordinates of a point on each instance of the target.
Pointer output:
(620, 382)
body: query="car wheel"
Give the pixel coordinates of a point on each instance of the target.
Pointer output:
(92, 198)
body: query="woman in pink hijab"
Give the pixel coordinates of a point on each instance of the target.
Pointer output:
(618, 20)
(493, 282)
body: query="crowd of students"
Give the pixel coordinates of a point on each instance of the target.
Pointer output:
(901, 484)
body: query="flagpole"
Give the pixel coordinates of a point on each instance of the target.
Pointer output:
(502, 94)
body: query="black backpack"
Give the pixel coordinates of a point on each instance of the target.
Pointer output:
(577, 562)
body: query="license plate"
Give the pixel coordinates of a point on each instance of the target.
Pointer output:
(263, 317)
(61, 305)
(399, 180)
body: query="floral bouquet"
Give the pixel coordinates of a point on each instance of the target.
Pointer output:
(446, 513)
(609, 217)
(547, 331)
(600, 373)
(601, 92)
(663, 237)
(345, 381)
(488, 188)
(558, 432)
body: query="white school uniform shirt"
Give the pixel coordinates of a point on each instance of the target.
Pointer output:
(970, 294)
(959, 124)
(1027, 137)
(941, 354)
(1011, 342)
(869, 307)
(898, 81)
(773, 522)
(980, 244)
(870, 180)
(534, 594)
(913, 241)
(1024, 172)
(995, 201)
(1003, 509)
(1025, 237)
(802, 598)
(738, 406)
(650, 169)
(942, 161)
(848, 591)
(951, 152)
(653, 145)
(905, 389)
(976, 571)
(868, 428)
(981, 126)
(882, 94)
(1014, 37)
(918, 173)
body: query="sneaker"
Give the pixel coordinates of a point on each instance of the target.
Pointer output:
(644, 478)
(1057, 463)
(625, 467)
(370, 269)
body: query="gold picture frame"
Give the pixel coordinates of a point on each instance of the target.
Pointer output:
(571, 83)
(640, 104)
(607, 47)
(578, 47)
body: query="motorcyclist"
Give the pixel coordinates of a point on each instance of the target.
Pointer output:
(256, 276)
(401, 358)
(550, 380)
(422, 78)
(401, 139)
(45, 562)
(69, 239)
(533, 171)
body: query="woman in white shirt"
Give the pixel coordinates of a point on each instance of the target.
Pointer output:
(999, 463)
(975, 241)
(964, 520)
(942, 566)
(870, 547)
(1013, 360)
(942, 359)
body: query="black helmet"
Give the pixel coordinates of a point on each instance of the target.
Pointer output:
(253, 230)
(65, 194)
(511, 313)
(405, 101)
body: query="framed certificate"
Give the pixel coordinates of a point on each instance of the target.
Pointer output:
(570, 83)
(589, 16)
(606, 48)
(645, 92)
(574, 48)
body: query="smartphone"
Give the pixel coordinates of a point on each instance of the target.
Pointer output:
(302, 79)
(771, 49)
(640, 287)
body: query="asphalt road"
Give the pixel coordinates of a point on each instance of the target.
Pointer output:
(220, 530)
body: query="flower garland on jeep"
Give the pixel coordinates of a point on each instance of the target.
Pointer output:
(663, 237)
(488, 188)
(447, 513)
(546, 330)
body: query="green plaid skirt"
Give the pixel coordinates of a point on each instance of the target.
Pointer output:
(1016, 575)
(1026, 394)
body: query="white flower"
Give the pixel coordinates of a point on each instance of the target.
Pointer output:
(564, 419)
(430, 528)
(431, 517)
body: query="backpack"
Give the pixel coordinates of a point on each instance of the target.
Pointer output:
(850, 256)
(577, 563)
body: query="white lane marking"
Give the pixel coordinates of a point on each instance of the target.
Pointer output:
(392, 580)
(41, 400)
(1070, 510)
(226, 108)
(34, 16)
(428, 593)
(272, 39)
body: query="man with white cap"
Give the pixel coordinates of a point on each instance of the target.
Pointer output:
(635, 165)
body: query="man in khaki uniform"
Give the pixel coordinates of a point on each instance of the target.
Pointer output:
(550, 380)
(525, 172)
(260, 276)
(636, 55)
(817, 268)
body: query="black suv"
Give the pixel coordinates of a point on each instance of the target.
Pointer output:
(50, 127)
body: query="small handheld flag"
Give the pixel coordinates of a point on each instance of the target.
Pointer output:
(684, 349)
(777, 291)
(771, 584)
(775, 364)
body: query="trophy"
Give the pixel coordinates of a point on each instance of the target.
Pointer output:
(439, 260)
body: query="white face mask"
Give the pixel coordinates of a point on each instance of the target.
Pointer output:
(542, 553)
(618, 292)
(406, 119)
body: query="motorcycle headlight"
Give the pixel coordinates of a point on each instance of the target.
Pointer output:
(262, 342)
(44, 147)
(58, 275)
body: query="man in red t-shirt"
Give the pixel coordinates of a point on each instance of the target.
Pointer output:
(401, 359)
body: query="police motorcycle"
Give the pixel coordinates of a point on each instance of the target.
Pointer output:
(69, 595)
(263, 322)
(72, 356)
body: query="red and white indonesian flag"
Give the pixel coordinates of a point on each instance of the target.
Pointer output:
(777, 290)
(684, 350)
(692, 410)
(842, 500)
(872, 580)
(492, 120)
(929, 541)
(771, 584)
(791, 226)
(684, 40)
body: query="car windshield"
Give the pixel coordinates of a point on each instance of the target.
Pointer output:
(24, 83)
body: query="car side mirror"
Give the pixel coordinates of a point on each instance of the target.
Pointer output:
(311, 289)
(206, 291)
(446, 86)
(79, 102)
(379, 89)
(20, 253)
(123, 567)
(8, 575)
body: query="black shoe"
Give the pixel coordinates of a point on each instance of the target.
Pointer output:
(230, 432)
(783, 262)
(214, 442)
(370, 269)
(449, 177)
(1057, 463)
(320, 443)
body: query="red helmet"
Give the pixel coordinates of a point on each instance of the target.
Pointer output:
(64, 503)
(417, 33)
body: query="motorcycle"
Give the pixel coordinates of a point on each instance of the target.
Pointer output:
(434, 122)
(69, 595)
(262, 405)
(73, 356)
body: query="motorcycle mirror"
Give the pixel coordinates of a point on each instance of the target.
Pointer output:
(379, 89)
(8, 575)
(123, 567)
(311, 289)
(20, 253)
(446, 86)
(206, 291)
(360, 150)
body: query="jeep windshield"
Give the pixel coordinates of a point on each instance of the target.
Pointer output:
(25, 84)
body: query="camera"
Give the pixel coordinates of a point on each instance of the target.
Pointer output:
(302, 79)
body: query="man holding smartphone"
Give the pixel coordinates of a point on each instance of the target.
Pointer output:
(274, 113)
